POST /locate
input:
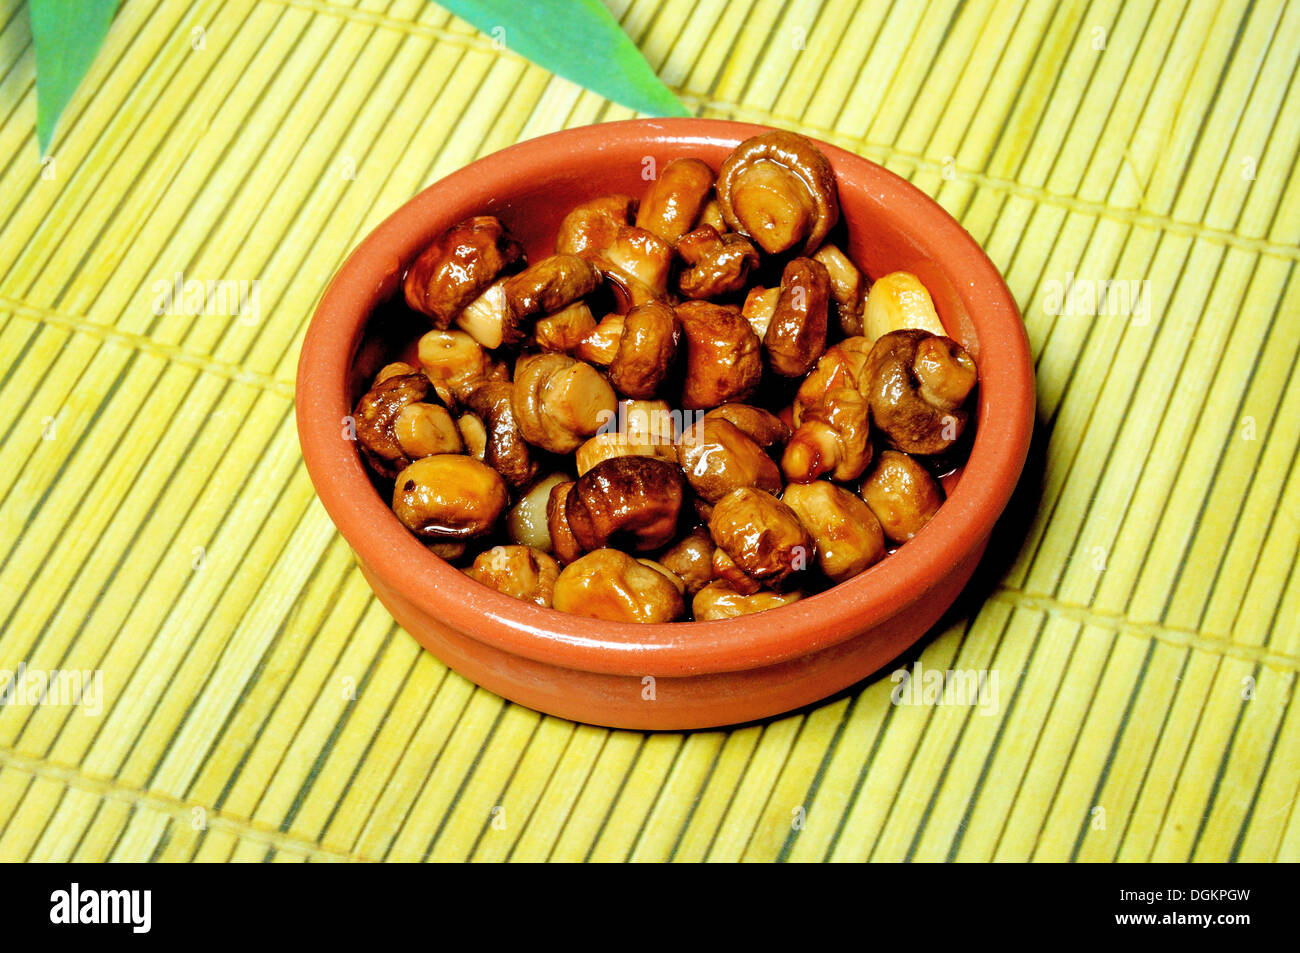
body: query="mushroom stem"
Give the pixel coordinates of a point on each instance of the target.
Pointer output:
(899, 301)
(488, 319)
(760, 305)
(779, 210)
(812, 451)
(425, 429)
(601, 343)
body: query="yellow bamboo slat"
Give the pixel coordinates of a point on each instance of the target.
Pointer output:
(258, 704)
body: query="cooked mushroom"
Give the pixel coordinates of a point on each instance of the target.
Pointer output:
(691, 559)
(449, 496)
(711, 215)
(847, 288)
(717, 457)
(719, 264)
(606, 446)
(559, 402)
(456, 363)
(631, 502)
(843, 365)
(520, 571)
(489, 320)
(646, 349)
(672, 204)
(833, 437)
(458, 267)
(761, 426)
(718, 600)
(594, 225)
(376, 414)
(902, 494)
(425, 429)
(650, 423)
(779, 189)
(946, 372)
(722, 354)
(445, 549)
(611, 585)
(601, 343)
(897, 302)
(844, 529)
(564, 330)
(550, 285)
(497, 316)
(564, 545)
(916, 383)
(395, 369)
(637, 263)
(506, 451)
(761, 534)
(796, 333)
(526, 522)
(759, 307)
(473, 434)
(726, 570)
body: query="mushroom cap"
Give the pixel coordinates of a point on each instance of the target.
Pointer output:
(848, 536)
(630, 501)
(376, 414)
(761, 535)
(559, 401)
(564, 546)
(646, 349)
(672, 204)
(593, 225)
(459, 266)
(449, 496)
(796, 334)
(506, 450)
(902, 494)
(833, 436)
(717, 457)
(691, 558)
(761, 426)
(523, 572)
(723, 360)
(550, 285)
(804, 164)
(610, 584)
(719, 264)
(902, 408)
(719, 600)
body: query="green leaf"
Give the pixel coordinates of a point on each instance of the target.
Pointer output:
(578, 39)
(67, 34)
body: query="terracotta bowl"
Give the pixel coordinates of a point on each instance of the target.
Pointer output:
(687, 674)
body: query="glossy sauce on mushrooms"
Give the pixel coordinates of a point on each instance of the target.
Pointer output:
(697, 406)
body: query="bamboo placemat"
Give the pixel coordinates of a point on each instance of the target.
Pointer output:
(258, 703)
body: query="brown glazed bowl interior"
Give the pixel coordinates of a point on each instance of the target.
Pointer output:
(686, 674)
